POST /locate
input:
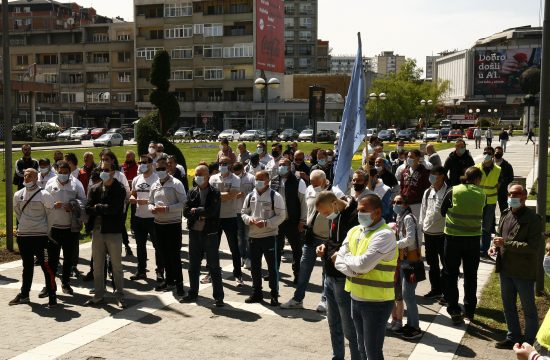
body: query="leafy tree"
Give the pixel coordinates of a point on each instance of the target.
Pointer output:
(404, 91)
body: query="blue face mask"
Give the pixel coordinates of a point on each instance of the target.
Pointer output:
(260, 184)
(143, 168)
(461, 151)
(364, 219)
(546, 264)
(283, 170)
(105, 176)
(433, 179)
(199, 180)
(487, 157)
(62, 177)
(162, 174)
(260, 150)
(398, 209)
(321, 162)
(514, 203)
(44, 170)
(224, 169)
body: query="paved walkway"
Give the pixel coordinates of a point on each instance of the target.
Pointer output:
(156, 326)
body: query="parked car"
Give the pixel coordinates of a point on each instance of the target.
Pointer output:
(387, 135)
(454, 135)
(289, 135)
(250, 135)
(83, 134)
(69, 133)
(406, 135)
(326, 135)
(229, 134)
(97, 132)
(183, 132)
(370, 132)
(445, 123)
(470, 132)
(109, 139)
(444, 133)
(433, 135)
(127, 133)
(306, 135)
(271, 135)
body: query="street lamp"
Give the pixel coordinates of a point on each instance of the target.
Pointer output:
(477, 111)
(529, 100)
(261, 84)
(425, 103)
(377, 97)
(494, 114)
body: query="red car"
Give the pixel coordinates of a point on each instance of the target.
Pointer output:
(97, 132)
(454, 135)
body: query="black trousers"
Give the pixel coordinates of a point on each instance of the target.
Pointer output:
(29, 247)
(465, 250)
(144, 228)
(133, 218)
(63, 239)
(289, 229)
(435, 245)
(169, 243)
(75, 255)
(199, 244)
(267, 248)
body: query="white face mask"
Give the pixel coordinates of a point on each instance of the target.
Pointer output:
(152, 151)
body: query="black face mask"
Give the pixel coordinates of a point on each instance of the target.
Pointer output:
(498, 156)
(129, 161)
(358, 187)
(275, 154)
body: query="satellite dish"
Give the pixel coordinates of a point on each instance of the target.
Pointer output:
(70, 21)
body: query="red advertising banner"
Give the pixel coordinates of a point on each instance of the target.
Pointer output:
(270, 42)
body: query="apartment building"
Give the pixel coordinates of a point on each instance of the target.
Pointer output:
(87, 59)
(301, 17)
(343, 64)
(388, 62)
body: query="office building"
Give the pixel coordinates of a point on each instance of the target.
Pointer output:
(388, 62)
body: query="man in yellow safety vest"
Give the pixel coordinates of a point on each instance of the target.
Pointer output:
(368, 258)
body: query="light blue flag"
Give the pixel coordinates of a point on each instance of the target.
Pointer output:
(354, 126)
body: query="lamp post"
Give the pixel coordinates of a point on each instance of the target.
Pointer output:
(377, 97)
(262, 84)
(477, 111)
(529, 100)
(494, 114)
(425, 103)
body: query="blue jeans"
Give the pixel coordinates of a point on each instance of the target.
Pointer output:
(487, 226)
(510, 287)
(339, 318)
(242, 235)
(409, 297)
(307, 262)
(370, 319)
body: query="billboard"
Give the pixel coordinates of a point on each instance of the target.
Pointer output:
(270, 42)
(497, 72)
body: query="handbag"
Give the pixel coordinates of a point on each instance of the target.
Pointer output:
(308, 230)
(415, 271)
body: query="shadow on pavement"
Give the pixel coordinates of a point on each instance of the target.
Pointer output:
(61, 313)
(229, 311)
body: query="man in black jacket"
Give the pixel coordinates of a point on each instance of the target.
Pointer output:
(457, 162)
(105, 207)
(202, 211)
(506, 177)
(23, 163)
(342, 214)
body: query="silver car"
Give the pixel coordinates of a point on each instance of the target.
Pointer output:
(109, 140)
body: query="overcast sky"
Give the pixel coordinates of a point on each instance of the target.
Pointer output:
(411, 28)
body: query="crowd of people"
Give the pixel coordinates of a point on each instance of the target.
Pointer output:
(369, 235)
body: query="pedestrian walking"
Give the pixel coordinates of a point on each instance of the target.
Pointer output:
(489, 136)
(477, 137)
(503, 137)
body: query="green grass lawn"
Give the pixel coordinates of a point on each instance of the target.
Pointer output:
(194, 153)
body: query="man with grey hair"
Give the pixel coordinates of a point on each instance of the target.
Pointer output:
(433, 156)
(202, 211)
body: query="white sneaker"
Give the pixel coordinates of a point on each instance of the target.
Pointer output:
(247, 264)
(397, 325)
(322, 307)
(239, 282)
(292, 304)
(390, 325)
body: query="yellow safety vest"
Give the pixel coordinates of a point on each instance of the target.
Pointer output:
(489, 183)
(464, 218)
(377, 284)
(543, 335)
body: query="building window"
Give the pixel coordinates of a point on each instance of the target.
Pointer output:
(75, 78)
(124, 97)
(72, 58)
(305, 35)
(198, 29)
(124, 56)
(199, 72)
(50, 78)
(182, 75)
(124, 76)
(123, 37)
(98, 77)
(238, 74)
(147, 53)
(238, 51)
(100, 58)
(184, 31)
(97, 97)
(289, 50)
(17, 10)
(50, 59)
(214, 9)
(305, 62)
(143, 73)
(289, 9)
(27, 9)
(212, 51)
(289, 63)
(306, 9)
(179, 9)
(23, 98)
(305, 50)
(100, 38)
(289, 22)
(289, 35)
(306, 22)
(182, 53)
(155, 34)
(22, 60)
(68, 97)
(213, 74)
(238, 8)
(213, 30)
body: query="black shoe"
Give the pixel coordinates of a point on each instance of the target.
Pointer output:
(19, 299)
(253, 299)
(180, 292)
(189, 298)
(266, 277)
(43, 293)
(163, 287)
(160, 277)
(129, 251)
(403, 330)
(433, 295)
(67, 289)
(469, 316)
(443, 302)
(88, 277)
(411, 333)
(274, 301)
(75, 272)
(121, 302)
(138, 276)
(93, 302)
(505, 344)
(219, 303)
(295, 280)
(52, 302)
(457, 319)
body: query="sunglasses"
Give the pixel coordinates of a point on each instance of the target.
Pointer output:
(397, 202)
(161, 169)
